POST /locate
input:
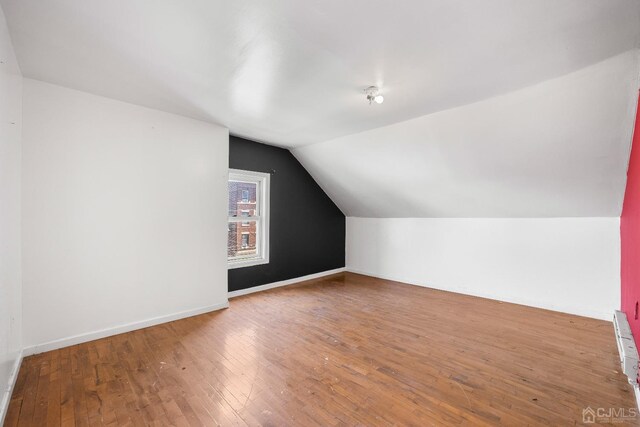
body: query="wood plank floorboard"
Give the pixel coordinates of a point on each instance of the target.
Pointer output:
(338, 351)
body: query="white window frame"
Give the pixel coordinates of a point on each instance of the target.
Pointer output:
(260, 217)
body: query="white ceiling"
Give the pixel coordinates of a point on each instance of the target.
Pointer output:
(290, 72)
(556, 149)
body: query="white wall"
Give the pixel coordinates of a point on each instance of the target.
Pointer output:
(124, 216)
(568, 264)
(10, 280)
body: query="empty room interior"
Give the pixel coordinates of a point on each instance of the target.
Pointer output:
(319, 212)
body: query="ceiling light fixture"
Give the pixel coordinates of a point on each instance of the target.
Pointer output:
(373, 95)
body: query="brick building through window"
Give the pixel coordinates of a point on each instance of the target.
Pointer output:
(242, 239)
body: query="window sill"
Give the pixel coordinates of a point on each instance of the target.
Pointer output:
(246, 263)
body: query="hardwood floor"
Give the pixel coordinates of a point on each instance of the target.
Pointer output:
(343, 350)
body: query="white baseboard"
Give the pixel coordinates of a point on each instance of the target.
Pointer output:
(260, 288)
(595, 314)
(103, 333)
(6, 395)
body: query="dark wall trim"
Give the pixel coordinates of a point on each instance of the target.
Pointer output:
(307, 230)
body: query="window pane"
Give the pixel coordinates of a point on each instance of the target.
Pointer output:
(246, 244)
(242, 198)
(242, 240)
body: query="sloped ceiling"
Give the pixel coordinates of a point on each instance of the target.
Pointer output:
(291, 72)
(493, 108)
(556, 149)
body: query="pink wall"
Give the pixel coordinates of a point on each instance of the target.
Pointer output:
(630, 238)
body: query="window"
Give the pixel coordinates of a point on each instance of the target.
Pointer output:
(245, 212)
(248, 226)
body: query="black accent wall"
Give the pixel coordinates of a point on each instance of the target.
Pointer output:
(306, 229)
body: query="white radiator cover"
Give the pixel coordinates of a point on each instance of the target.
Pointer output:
(626, 347)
